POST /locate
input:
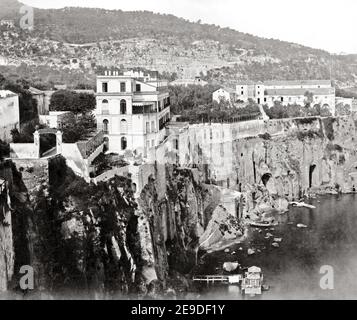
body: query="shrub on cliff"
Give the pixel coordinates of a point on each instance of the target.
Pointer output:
(265, 136)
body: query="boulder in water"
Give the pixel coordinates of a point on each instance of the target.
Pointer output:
(251, 251)
(230, 266)
(300, 225)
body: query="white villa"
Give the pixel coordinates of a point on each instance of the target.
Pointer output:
(224, 94)
(132, 110)
(288, 92)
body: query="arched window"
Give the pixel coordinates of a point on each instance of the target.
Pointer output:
(106, 126)
(105, 106)
(124, 143)
(123, 107)
(123, 126)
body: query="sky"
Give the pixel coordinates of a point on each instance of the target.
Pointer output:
(322, 24)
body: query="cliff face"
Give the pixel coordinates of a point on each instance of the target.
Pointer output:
(311, 156)
(6, 236)
(97, 240)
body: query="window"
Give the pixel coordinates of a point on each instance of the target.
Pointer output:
(105, 107)
(282, 99)
(265, 99)
(106, 126)
(11, 104)
(147, 127)
(104, 86)
(152, 143)
(123, 126)
(153, 129)
(123, 107)
(138, 87)
(242, 92)
(124, 143)
(176, 144)
(122, 87)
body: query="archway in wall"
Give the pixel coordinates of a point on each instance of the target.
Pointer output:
(311, 175)
(48, 141)
(123, 106)
(123, 126)
(326, 110)
(106, 126)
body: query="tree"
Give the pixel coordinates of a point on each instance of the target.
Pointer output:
(76, 129)
(309, 98)
(343, 109)
(4, 149)
(78, 103)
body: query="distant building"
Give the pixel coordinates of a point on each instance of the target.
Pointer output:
(7, 23)
(132, 109)
(9, 114)
(224, 94)
(186, 82)
(60, 87)
(288, 92)
(345, 101)
(56, 119)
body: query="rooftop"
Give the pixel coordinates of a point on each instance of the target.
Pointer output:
(299, 91)
(7, 94)
(297, 82)
(230, 90)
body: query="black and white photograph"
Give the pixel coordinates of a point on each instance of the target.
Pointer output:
(193, 150)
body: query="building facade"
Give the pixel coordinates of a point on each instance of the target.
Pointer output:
(132, 109)
(197, 81)
(287, 92)
(9, 114)
(224, 94)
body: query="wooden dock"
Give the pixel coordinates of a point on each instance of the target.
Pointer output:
(233, 279)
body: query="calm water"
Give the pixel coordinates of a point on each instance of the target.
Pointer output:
(292, 270)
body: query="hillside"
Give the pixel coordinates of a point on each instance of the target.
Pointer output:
(97, 38)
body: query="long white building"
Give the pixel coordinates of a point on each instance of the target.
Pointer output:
(9, 114)
(132, 109)
(289, 92)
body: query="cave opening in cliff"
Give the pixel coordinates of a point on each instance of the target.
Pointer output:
(265, 178)
(311, 173)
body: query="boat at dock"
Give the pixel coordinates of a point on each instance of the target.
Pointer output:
(250, 281)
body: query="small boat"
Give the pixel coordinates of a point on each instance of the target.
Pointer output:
(300, 225)
(302, 204)
(262, 224)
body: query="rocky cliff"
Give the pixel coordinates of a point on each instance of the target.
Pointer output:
(98, 241)
(307, 156)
